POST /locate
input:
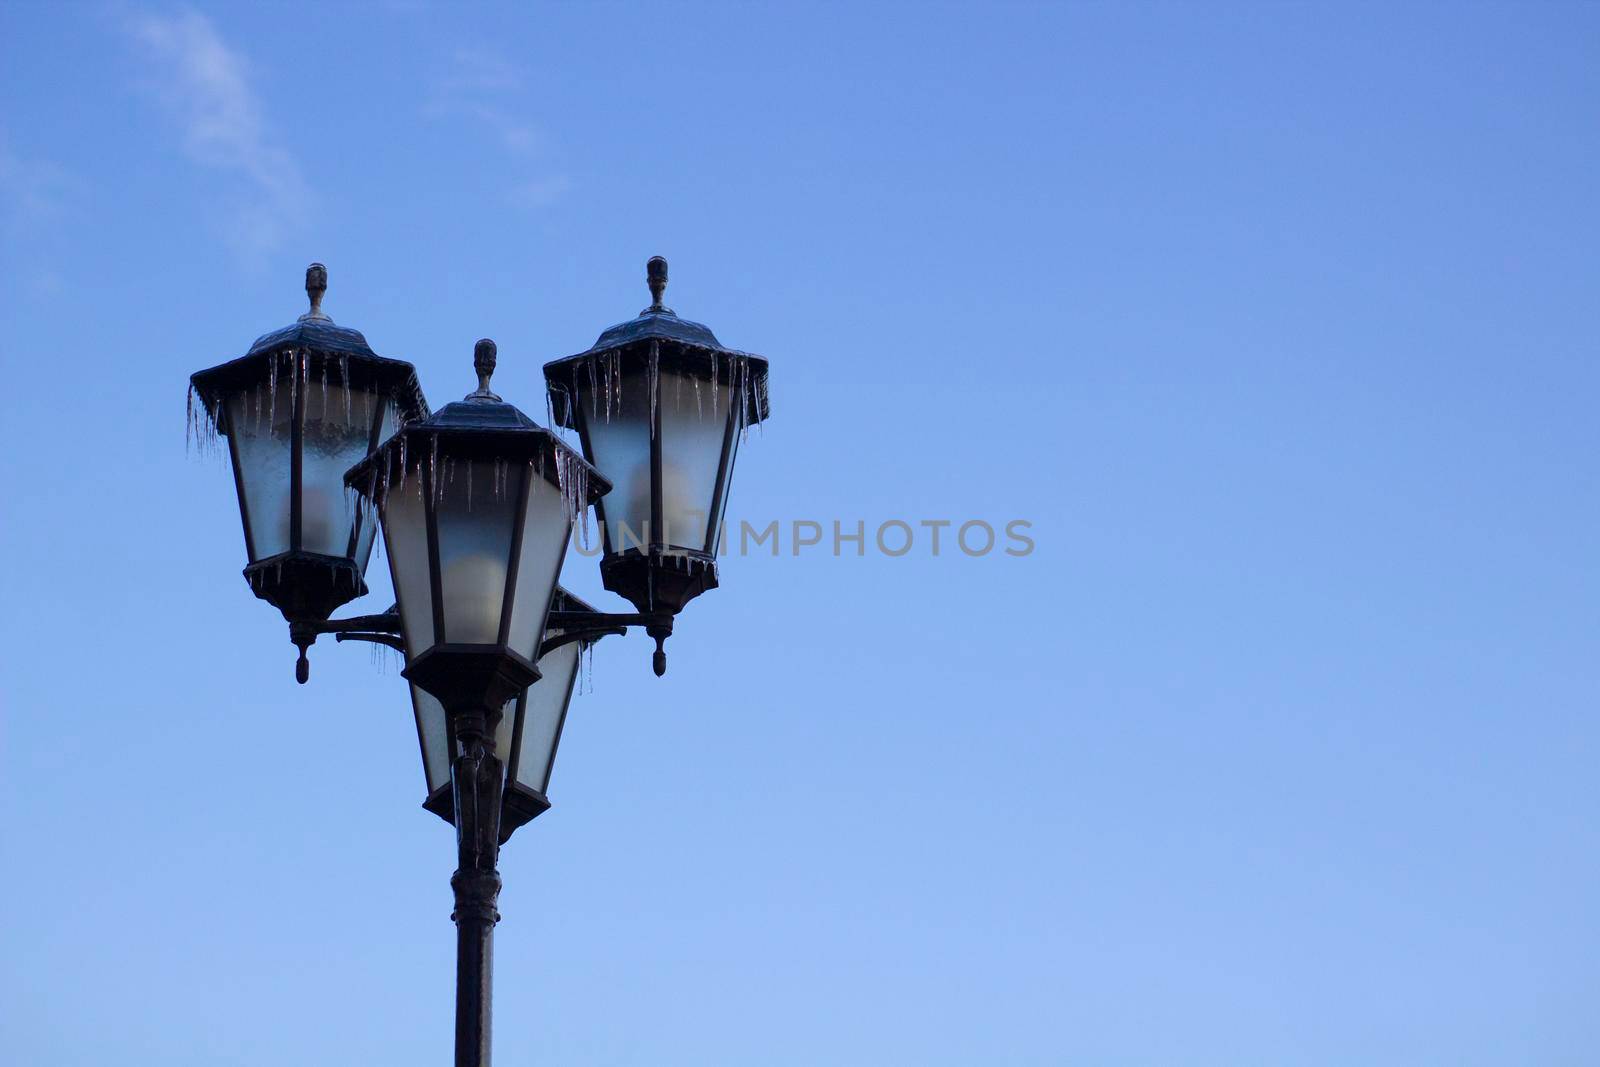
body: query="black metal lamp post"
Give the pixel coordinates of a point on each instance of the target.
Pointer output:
(477, 504)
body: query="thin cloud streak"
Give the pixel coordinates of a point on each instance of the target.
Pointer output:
(482, 88)
(37, 198)
(33, 192)
(205, 85)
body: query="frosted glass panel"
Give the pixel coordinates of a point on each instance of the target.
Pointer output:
(434, 735)
(541, 722)
(338, 429)
(727, 490)
(260, 434)
(621, 447)
(369, 524)
(694, 423)
(544, 544)
(405, 530)
(476, 518)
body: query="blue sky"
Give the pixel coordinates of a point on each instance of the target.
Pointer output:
(1276, 322)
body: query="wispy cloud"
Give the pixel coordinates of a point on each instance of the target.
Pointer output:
(481, 88)
(32, 191)
(206, 87)
(37, 196)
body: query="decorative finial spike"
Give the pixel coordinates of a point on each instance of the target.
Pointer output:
(656, 273)
(484, 357)
(316, 286)
(658, 662)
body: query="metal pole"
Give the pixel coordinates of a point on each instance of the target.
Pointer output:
(478, 778)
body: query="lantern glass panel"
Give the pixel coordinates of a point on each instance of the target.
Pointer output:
(504, 730)
(726, 488)
(337, 434)
(434, 733)
(260, 424)
(694, 425)
(545, 531)
(405, 531)
(619, 440)
(541, 720)
(476, 516)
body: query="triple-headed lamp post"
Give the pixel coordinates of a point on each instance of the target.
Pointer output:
(477, 504)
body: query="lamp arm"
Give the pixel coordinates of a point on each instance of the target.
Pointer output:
(390, 640)
(591, 625)
(588, 635)
(387, 622)
(383, 629)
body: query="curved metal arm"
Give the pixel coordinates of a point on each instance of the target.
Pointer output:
(589, 635)
(383, 629)
(390, 640)
(387, 622)
(592, 625)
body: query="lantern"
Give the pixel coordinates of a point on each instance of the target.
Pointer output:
(477, 504)
(660, 406)
(298, 409)
(526, 738)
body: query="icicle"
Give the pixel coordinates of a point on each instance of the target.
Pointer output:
(202, 424)
(344, 376)
(744, 398)
(654, 374)
(272, 390)
(324, 391)
(715, 360)
(296, 372)
(433, 468)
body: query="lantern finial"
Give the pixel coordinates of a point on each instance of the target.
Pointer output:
(483, 361)
(316, 285)
(656, 273)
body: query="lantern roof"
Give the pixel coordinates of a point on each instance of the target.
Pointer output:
(315, 333)
(681, 344)
(658, 323)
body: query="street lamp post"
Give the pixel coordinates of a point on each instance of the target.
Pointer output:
(477, 503)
